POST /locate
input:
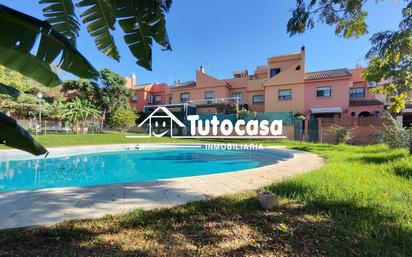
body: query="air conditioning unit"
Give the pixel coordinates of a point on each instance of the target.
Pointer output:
(150, 99)
(371, 84)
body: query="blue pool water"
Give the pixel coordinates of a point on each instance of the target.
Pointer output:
(127, 166)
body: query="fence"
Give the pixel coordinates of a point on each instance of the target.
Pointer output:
(364, 129)
(54, 126)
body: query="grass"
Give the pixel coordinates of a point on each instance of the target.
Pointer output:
(56, 140)
(358, 204)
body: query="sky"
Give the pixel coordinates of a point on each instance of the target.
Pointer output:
(229, 35)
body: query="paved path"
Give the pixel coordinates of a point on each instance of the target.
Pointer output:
(49, 206)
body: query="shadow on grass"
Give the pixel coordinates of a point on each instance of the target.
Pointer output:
(381, 158)
(359, 230)
(226, 226)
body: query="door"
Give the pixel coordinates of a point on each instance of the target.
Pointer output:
(313, 130)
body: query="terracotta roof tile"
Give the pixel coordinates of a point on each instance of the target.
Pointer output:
(327, 74)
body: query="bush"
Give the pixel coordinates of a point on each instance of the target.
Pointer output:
(394, 135)
(123, 119)
(242, 113)
(343, 134)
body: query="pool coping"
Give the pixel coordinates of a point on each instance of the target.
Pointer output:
(50, 206)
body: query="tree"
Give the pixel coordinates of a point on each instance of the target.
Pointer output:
(24, 99)
(123, 118)
(77, 112)
(390, 58)
(108, 92)
(113, 94)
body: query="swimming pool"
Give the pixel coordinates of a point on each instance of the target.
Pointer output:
(128, 165)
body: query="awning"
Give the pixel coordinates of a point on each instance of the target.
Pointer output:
(326, 110)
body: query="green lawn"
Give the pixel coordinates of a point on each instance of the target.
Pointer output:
(56, 140)
(358, 204)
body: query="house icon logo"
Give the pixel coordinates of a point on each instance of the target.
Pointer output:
(162, 117)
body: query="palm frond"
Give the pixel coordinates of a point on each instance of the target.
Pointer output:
(13, 135)
(142, 21)
(100, 19)
(19, 34)
(60, 14)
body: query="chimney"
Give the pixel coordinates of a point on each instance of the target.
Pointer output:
(133, 80)
(202, 69)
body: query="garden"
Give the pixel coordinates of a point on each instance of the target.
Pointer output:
(357, 204)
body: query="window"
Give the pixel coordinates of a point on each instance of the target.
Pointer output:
(323, 92)
(274, 72)
(170, 99)
(134, 98)
(209, 95)
(157, 99)
(258, 99)
(238, 95)
(358, 92)
(285, 94)
(184, 97)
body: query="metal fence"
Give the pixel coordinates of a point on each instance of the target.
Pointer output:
(54, 126)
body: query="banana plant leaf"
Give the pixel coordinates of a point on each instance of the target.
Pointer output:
(13, 135)
(29, 46)
(8, 90)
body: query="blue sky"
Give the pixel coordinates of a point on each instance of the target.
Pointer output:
(229, 35)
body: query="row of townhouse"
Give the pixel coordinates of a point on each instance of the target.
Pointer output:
(282, 85)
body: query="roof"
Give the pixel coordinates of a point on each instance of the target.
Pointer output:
(184, 85)
(328, 74)
(326, 110)
(365, 102)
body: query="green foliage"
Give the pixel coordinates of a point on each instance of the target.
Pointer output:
(142, 22)
(343, 134)
(390, 58)
(348, 16)
(20, 34)
(77, 112)
(390, 61)
(60, 14)
(299, 116)
(395, 135)
(108, 92)
(242, 113)
(123, 119)
(18, 81)
(12, 135)
(100, 20)
(114, 93)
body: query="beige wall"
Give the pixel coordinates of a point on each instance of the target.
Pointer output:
(273, 104)
(289, 78)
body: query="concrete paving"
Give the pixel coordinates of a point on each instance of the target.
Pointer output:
(49, 206)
